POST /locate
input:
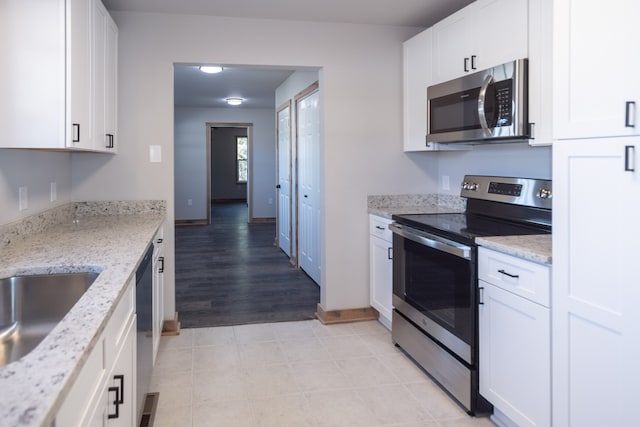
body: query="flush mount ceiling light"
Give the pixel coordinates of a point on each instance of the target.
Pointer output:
(234, 101)
(211, 69)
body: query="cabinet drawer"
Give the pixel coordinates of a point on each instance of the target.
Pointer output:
(116, 329)
(379, 226)
(86, 391)
(516, 275)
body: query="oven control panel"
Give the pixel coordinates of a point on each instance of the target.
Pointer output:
(505, 188)
(512, 190)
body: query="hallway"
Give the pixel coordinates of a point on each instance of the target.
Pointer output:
(230, 273)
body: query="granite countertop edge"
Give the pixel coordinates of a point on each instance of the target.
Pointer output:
(536, 248)
(101, 238)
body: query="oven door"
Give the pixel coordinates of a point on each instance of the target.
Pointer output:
(434, 282)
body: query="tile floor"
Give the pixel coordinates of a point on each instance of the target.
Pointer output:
(296, 374)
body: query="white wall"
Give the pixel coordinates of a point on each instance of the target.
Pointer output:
(191, 159)
(36, 170)
(497, 159)
(361, 89)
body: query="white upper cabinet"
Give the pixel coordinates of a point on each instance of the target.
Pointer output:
(54, 69)
(596, 84)
(416, 77)
(79, 75)
(105, 51)
(483, 34)
(32, 74)
(416, 56)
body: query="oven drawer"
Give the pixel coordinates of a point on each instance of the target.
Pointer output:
(379, 226)
(516, 275)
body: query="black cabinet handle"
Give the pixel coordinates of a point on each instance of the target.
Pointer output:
(515, 276)
(76, 132)
(629, 117)
(121, 379)
(278, 186)
(379, 228)
(473, 62)
(466, 65)
(480, 296)
(390, 253)
(109, 140)
(159, 240)
(161, 269)
(116, 402)
(629, 158)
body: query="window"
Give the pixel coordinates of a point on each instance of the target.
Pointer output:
(241, 159)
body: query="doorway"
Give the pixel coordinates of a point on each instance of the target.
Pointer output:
(229, 164)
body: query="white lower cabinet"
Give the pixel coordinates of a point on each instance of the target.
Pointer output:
(515, 338)
(381, 267)
(104, 392)
(158, 290)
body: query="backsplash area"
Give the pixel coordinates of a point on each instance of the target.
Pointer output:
(17, 231)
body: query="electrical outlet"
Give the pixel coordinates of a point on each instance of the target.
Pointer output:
(446, 184)
(189, 202)
(23, 196)
(54, 192)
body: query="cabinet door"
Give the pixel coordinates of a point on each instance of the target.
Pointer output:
(515, 356)
(79, 74)
(105, 37)
(417, 76)
(32, 74)
(122, 383)
(595, 69)
(381, 280)
(595, 292)
(158, 299)
(500, 32)
(541, 71)
(111, 85)
(452, 45)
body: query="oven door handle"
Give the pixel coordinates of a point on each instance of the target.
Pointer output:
(435, 242)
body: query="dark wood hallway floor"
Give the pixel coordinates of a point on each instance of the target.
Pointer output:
(230, 273)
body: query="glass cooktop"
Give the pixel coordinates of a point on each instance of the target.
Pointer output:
(466, 226)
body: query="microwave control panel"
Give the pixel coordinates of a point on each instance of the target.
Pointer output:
(504, 108)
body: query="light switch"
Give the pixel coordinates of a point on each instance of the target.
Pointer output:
(54, 192)
(155, 153)
(446, 184)
(23, 202)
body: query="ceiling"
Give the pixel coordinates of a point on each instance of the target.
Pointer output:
(257, 85)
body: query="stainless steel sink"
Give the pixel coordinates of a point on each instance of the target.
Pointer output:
(31, 306)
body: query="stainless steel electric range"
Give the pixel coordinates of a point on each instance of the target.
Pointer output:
(435, 287)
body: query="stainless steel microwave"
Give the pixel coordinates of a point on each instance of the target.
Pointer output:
(487, 106)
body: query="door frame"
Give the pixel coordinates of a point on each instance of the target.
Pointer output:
(292, 256)
(209, 126)
(313, 87)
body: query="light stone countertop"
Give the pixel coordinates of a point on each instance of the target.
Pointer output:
(536, 248)
(33, 388)
(404, 204)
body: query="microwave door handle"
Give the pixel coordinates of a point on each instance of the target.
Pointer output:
(481, 101)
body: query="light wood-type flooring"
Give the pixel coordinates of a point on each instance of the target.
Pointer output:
(230, 273)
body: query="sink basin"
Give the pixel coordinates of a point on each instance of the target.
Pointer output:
(31, 306)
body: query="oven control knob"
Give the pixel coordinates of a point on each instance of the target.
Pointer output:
(471, 186)
(544, 193)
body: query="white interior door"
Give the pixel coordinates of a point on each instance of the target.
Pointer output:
(308, 120)
(284, 179)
